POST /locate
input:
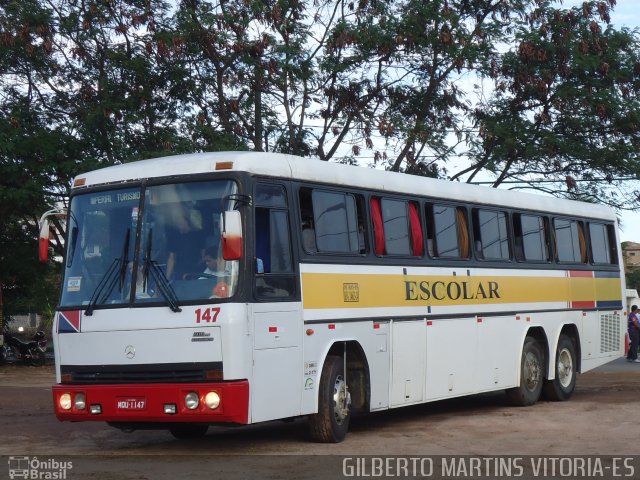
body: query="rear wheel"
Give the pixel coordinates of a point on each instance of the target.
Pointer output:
(331, 423)
(531, 375)
(36, 357)
(561, 388)
(189, 430)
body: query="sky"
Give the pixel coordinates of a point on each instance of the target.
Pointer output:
(626, 13)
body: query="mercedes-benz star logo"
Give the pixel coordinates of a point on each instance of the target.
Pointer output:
(130, 351)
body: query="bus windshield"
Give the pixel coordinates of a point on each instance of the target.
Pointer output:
(159, 244)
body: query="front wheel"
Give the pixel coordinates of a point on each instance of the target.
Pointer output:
(331, 423)
(531, 375)
(561, 388)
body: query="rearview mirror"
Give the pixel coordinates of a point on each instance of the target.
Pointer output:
(231, 235)
(43, 237)
(43, 241)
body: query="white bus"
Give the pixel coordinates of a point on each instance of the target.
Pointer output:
(244, 287)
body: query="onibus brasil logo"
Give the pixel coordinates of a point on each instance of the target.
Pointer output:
(32, 468)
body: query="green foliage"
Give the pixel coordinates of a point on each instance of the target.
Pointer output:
(566, 106)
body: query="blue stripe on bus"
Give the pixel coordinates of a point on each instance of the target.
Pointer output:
(610, 304)
(601, 274)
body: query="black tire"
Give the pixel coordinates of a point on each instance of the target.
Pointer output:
(331, 423)
(183, 431)
(531, 375)
(561, 388)
(37, 357)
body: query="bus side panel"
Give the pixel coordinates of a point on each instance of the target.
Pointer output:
(451, 357)
(408, 364)
(497, 360)
(602, 338)
(276, 382)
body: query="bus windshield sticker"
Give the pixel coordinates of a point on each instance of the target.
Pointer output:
(73, 284)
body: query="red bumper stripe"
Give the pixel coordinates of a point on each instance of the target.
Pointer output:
(145, 402)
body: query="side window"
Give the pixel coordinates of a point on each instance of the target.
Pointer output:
(396, 226)
(447, 231)
(570, 241)
(602, 243)
(397, 229)
(530, 238)
(491, 234)
(332, 222)
(274, 265)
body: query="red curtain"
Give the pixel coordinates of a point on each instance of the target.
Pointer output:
(378, 226)
(417, 241)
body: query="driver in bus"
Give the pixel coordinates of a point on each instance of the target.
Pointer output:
(215, 265)
(216, 268)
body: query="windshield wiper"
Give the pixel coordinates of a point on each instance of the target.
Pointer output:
(110, 278)
(73, 240)
(165, 288)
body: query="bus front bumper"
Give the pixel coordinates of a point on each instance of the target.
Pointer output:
(166, 402)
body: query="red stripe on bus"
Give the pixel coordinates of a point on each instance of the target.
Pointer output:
(583, 304)
(580, 273)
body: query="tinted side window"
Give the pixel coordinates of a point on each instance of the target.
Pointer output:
(601, 251)
(491, 233)
(570, 241)
(332, 222)
(530, 238)
(270, 196)
(396, 227)
(447, 232)
(274, 265)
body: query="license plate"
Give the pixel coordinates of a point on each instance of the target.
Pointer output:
(131, 403)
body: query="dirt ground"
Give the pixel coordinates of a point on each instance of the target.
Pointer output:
(600, 419)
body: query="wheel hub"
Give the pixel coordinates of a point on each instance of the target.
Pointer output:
(565, 368)
(341, 399)
(532, 371)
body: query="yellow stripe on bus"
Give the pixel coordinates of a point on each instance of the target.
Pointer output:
(333, 290)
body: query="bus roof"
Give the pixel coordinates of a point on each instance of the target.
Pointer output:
(298, 168)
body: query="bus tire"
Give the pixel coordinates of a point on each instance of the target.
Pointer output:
(531, 375)
(331, 423)
(183, 431)
(561, 388)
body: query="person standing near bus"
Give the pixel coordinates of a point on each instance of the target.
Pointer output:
(634, 334)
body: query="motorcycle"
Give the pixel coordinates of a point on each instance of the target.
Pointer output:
(29, 352)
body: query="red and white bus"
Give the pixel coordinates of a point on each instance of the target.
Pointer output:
(238, 288)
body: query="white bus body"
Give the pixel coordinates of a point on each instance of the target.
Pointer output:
(274, 341)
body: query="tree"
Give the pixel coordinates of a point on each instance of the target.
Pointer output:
(80, 88)
(34, 157)
(566, 107)
(408, 56)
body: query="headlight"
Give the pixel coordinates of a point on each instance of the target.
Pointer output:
(80, 401)
(191, 400)
(212, 400)
(65, 401)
